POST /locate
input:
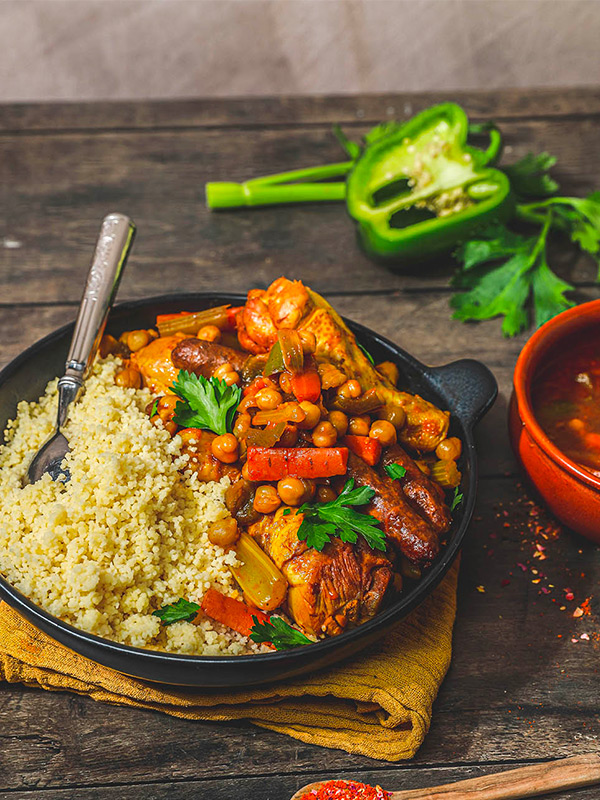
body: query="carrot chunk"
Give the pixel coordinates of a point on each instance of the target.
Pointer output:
(228, 611)
(365, 447)
(306, 386)
(274, 463)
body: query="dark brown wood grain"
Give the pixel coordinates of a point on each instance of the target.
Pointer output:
(523, 686)
(273, 111)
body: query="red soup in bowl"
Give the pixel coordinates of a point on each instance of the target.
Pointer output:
(555, 416)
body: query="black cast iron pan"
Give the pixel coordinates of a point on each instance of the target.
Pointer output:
(467, 388)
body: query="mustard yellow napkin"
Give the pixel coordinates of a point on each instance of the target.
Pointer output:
(377, 704)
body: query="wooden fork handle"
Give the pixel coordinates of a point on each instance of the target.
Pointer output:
(532, 781)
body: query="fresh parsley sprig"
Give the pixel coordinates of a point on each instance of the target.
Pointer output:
(456, 499)
(324, 520)
(278, 633)
(395, 471)
(206, 403)
(504, 273)
(175, 612)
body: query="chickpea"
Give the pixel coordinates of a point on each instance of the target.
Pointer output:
(170, 426)
(268, 399)
(129, 378)
(189, 436)
(289, 438)
(209, 333)
(309, 342)
(242, 425)
(324, 435)
(389, 370)
(359, 426)
(224, 532)
(394, 414)
(350, 388)
(325, 494)
(225, 448)
(166, 404)
(295, 491)
(266, 499)
(231, 378)
(384, 432)
(312, 415)
(137, 339)
(449, 450)
(295, 412)
(339, 420)
(108, 345)
(221, 371)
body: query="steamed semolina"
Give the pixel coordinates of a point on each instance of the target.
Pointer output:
(126, 535)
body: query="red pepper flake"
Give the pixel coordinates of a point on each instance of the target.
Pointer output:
(346, 790)
(569, 595)
(586, 606)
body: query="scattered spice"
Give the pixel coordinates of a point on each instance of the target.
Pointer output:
(346, 790)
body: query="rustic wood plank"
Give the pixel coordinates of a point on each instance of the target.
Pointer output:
(277, 787)
(62, 185)
(514, 686)
(271, 111)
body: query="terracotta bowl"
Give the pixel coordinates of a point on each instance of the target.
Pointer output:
(571, 492)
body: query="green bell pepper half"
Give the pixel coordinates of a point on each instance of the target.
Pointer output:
(419, 188)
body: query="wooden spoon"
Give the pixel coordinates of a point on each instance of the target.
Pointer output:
(533, 781)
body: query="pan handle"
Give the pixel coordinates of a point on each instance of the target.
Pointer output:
(469, 386)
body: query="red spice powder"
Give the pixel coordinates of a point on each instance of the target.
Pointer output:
(346, 790)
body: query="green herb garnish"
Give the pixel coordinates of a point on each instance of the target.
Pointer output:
(324, 520)
(504, 272)
(154, 408)
(175, 612)
(456, 499)
(278, 633)
(206, 403)
(395, 471)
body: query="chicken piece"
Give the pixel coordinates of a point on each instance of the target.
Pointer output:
(197, 445)
(155, 363)
(404, 527)
(339, 587)
(202, 358)
(282, 305)
(423, 492)
(289, 304)
(426, 425)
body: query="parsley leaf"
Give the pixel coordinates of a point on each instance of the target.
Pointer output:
(395, 471)
(504, 289)
(209, 404)
(154, 408)
(174, 612)
(278, 633)
(456, 500)
(324, 520)
(529, 177)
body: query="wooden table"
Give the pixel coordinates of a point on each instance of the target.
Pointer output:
(523, 685)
